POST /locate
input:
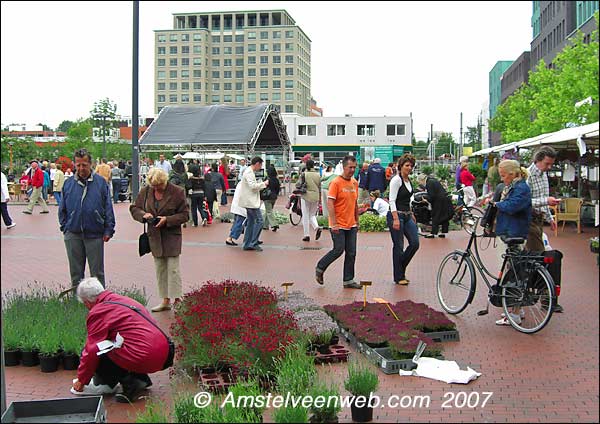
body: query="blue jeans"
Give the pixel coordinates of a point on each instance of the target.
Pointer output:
(198, 206)
(237, 227)
(401, 257)
(254, 223)
(57, 196)
(343, 241)
(116, 186)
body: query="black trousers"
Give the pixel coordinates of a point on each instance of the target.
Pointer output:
(110, 373)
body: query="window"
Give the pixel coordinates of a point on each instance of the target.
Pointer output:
(251, 60)
(251, 84)
(162, 98)
(289, 47)
(333, 130)
(227, 50)
(172, 86)
(289, 71)
(264, 97)
(239, 50)
(276, 97)
(276, 34)
(216, 62)
(162, 50)
(252, 35)
(197, 37)
(226, 74)
(173, 37)
(215, 98)
(365, 130)
(173, 62)
(227, 38)
(289, 83)
(185, 73)
(276, 59)
(172, 74)
(227, 62)
(162, 38)
(251, 47)
(197, 85)
(309, 130)
(185, 37)
(197, 73)
(185, 61)
(185, 50)
(216, 86)
(289, 97)
(197, 98)
(173, 50)
(393, 129)
(161, 62)
(216, 50)
(289, 34)
(239, 62)
(216, 74)
(185, 85)
(239, 98)
(276, 84)
(197, 49)
(185, 98)
(264, 47)
(227, 86)
(251, 97)
(161, 86)
(276, 72)
(264, 72)
(239, 74)
(276, 47)
(216, 38)
(197, 61)
(227, 98)
(264, 84)
(239, 38)
(173, 98)
(239, 86)
(264, 60)
(251, 72)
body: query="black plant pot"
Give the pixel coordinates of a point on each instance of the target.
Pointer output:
(335, 339)
(361, 415)
(319, 419)
(49, 363)
(323, 349)
(70, 361)
(12, 357)
(30, 358)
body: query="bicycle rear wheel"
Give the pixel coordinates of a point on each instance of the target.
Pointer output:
(455, 282)
(469, 220)
(531, 300)
(295, 218)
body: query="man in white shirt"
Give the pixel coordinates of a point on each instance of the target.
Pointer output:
(250, 199)
(4, 203)
(163, 164)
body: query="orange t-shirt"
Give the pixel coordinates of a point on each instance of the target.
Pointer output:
(345, 193)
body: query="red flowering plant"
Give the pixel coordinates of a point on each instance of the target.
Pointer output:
(232, 322)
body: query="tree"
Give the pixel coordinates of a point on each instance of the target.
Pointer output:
(65, 125)
(104, 112)
(44, 127)
(547, 102)
(443, 144)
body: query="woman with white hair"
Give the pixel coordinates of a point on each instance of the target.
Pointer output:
(467, 179)
(163, 206)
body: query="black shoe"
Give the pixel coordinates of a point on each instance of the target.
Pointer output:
(319, 276)
(442, 236)
(307, 238)
(429, 235)
(131, 391)
(275, 228)
(352, 285)
(230, 243)
(557, 309)
(260, 242)
(318, 235)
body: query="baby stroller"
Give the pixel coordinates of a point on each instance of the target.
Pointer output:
(421, 207)
(124, 190)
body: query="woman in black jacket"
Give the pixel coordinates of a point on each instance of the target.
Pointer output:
(197, 187)
(274, 187)
(441, 205)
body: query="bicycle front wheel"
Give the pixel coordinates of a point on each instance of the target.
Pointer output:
(469, 220)
(530, 302)
(455, 282)
(295, 218)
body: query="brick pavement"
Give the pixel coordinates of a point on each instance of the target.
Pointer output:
(551, 376)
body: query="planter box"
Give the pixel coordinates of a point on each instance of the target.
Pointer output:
(88, 409)
(338, 353)
(444, 336)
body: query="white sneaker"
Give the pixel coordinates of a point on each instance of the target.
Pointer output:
(504, 321)
(11, 225)
(95, 390)
(521, 314)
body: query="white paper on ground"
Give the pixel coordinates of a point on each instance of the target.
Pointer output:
(108, 345)
(447, 371)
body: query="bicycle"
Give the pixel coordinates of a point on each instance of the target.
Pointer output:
(523, 283)
(295, 209)
(464, 215)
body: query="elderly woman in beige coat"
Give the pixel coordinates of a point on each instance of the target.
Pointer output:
(310, 200)
(164, 203)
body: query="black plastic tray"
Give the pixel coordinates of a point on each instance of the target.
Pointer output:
(89, 409)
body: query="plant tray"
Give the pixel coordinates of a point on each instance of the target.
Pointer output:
(88, 409)
(382, 357)
(217, 382)
(339, 353)
(444, 336)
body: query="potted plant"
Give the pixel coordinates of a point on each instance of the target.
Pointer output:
(49, 345)
(291, 414)
(296, 371)
(361, 382)
(595, 245)
(324, 412)
(72, 343)
(11, 339)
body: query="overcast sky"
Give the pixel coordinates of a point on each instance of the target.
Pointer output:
(368, 58)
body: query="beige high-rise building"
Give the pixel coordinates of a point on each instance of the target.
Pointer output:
(233, 58)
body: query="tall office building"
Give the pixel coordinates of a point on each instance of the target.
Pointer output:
(237, 58)
(495, 87)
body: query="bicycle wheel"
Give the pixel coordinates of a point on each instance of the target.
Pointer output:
(533, 298)
(469, 220)
(455, 282)
(295, 218)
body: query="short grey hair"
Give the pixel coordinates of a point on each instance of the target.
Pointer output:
(464, 159)
(89, 289)
(421, 178)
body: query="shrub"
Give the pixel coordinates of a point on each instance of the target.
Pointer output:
(361, 380)
(370, 223)
(295, 371)
(291, 415)
(427, 170)
(329, 411)
(154, 412)
(443, 173)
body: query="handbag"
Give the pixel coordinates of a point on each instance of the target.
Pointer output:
(169, 361)
(265, 194)
(144, 240)
(488, 220)
(301, 185)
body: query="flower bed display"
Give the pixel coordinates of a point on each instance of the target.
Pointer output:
(232, 323)
(376, 327)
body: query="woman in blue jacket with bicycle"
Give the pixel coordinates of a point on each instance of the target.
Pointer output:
(514, 211)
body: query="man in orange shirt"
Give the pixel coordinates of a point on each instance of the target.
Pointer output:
(342, 204)
(103, 169)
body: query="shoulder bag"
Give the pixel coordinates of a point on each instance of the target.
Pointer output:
(301, 185)
(169, 362)
(144, 241)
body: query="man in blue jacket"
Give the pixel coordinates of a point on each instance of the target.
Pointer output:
(86, 218)
(376, 176)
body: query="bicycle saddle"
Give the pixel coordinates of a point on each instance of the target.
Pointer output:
(512, 241)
